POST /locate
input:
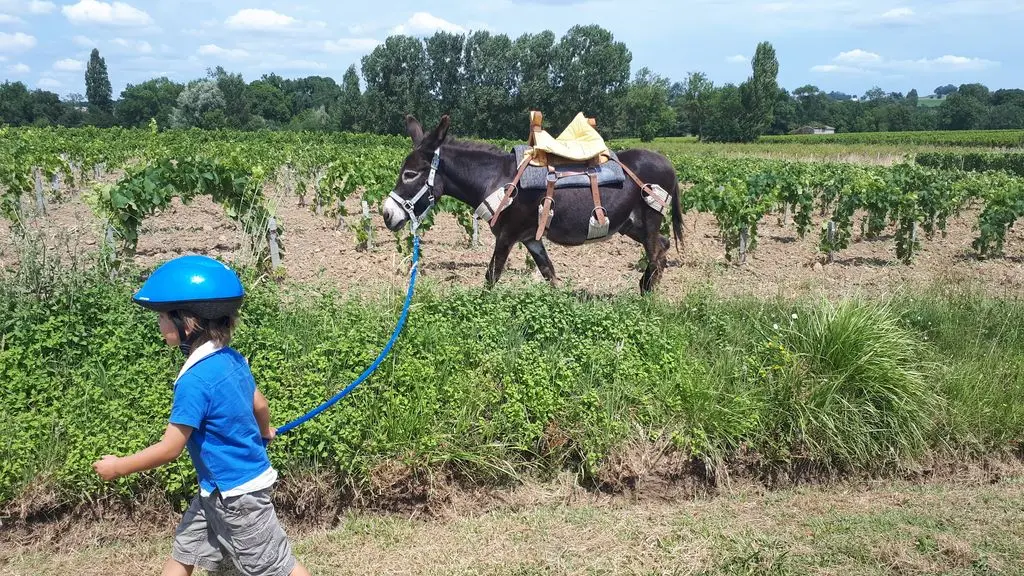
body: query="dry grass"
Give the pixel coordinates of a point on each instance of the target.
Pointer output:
(969, 524)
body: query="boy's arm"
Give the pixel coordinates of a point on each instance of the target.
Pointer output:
(261, 408)
(163, 452)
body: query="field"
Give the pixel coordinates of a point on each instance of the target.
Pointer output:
(797, 401)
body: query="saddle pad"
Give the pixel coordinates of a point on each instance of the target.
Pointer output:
(579, 141)
(536, 177)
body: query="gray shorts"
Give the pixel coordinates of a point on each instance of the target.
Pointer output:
(243, 529)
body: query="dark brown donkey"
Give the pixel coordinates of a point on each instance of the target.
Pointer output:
(479, 174)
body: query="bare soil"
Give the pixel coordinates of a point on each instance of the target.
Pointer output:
(317, 249)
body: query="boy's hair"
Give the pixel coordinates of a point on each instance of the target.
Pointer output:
(217, 330)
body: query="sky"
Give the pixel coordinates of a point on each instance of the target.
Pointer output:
(843, 45)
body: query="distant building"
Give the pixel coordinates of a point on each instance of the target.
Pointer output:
(814, 130)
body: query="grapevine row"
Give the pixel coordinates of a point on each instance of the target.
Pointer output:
(232, 167)
(917, 200)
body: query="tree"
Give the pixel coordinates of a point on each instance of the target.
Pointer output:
(812, 105)
(912, 98)
(698, 92)
(726, 113)
(15, 104)
(979, 92)
(351, 106)
(759, 93)
(445, 56)
(1005, 117)
(490, 77)
(236, 101)
(875, 94)
(589, 71)
(785, 118)
(151, 99)
(1011, 96)
(533, 55)
(97, 83)
(201, 105)
(647, 111)
(267, 101)
(959, 112)
(942, 91)
(397, 83)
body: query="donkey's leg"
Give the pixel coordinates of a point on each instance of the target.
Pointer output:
(502, 246)
(540, 256)
(655, 245)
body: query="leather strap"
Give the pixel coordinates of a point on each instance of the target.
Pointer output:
(631, 174)
(597, 198)
(508, 192)
(546, 203)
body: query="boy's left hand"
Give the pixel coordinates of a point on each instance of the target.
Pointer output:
(269, 437)
(106, 467)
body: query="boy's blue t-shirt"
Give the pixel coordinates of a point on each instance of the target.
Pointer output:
(215, 398)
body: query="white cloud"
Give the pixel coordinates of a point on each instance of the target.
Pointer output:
(258, 19)
(943, 63)
(19, 68)
(115, 13)
(8, 19)
(350, 45)
(41, 7)
(83, 41)
(857, 56)
(69, 65)
(737, 59)
(49, 83)
(898, 14)
(859, 61)
(424, 23)
(139, 46)
(837, 69)
(16, 42)
(214, 50)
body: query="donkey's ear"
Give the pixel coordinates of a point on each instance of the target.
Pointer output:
(413, 128)
(438, 135)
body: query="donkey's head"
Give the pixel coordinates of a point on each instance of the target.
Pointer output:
(417, 187)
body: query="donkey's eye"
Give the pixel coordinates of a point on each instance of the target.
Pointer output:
(409, 175)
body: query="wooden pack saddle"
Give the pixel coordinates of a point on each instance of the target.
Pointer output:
(577, 157)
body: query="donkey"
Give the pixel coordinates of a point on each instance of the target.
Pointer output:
(471, 172)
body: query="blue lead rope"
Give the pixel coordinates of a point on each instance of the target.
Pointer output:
(383, 353)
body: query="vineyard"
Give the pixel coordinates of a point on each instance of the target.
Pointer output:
(331, 186)
(738, 369)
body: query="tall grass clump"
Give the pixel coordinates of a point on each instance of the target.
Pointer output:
(849, 387)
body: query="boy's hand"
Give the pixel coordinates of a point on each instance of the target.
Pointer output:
(269, 437)
(106, 467)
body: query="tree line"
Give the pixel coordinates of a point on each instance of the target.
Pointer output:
(488, 82)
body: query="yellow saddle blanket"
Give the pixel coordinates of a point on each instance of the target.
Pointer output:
(579, 142)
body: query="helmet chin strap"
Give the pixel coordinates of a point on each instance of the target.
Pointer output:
(184, 342)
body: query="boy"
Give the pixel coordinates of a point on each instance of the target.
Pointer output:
(220, 416)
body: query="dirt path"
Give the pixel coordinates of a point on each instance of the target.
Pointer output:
(949, 527)
(782, 264)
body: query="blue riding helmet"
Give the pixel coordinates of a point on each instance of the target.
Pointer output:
(195, 283)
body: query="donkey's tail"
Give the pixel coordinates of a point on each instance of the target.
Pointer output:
(677, 214)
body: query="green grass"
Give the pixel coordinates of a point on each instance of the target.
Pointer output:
(519, 382)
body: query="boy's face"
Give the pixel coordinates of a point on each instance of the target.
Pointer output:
(168, 330)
